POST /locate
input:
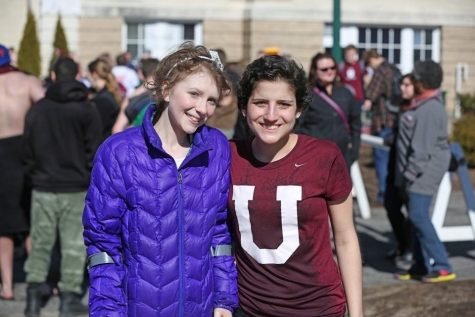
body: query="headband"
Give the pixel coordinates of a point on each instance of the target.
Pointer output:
(214, 59)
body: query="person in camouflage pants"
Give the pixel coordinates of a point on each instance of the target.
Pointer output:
(50, 211)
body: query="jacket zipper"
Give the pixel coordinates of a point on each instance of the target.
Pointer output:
(181, 245)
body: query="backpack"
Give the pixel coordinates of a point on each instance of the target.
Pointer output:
(395, 98)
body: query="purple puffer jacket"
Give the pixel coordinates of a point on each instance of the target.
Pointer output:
(158, 224)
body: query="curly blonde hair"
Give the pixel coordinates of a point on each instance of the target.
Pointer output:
(188, 59)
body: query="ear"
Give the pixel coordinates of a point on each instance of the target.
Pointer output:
(53, 76)
(298, 115)
(243, 112)
(166, 93)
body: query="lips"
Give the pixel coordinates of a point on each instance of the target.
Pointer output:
(270, 127)
(193, 119)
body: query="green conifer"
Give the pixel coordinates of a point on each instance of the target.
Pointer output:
(60, 42)
(29, 59)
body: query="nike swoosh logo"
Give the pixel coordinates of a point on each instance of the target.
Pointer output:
(298, 165)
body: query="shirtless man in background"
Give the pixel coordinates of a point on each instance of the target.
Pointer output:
(18, 91)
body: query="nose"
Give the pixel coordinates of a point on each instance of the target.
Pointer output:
(200, 106)
(271, 112)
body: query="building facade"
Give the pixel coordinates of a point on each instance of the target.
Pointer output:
(404, 31)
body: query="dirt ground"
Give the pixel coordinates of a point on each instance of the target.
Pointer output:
(452, 299)
(415, 299)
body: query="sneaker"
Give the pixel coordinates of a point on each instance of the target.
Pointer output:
(402, 275)
(439, 276)
(406, 275)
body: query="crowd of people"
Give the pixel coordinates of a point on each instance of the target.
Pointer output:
(131, 165)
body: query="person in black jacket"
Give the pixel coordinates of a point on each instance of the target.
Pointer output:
(334, 113)
(62, 133)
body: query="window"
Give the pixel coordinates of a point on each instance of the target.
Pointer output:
(135, 39)
(422, 45)
(399, 45)
(159, 38)
(387, 41)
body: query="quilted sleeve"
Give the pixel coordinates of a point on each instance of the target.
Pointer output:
(224, 269)
(102, 233)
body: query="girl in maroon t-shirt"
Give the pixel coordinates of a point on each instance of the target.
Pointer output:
(285, 189)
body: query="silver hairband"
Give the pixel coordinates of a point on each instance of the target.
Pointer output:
(214, 59)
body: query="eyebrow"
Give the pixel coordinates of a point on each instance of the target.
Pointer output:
(278, 100)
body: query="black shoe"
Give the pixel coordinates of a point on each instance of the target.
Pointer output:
(394, 253)
(71, 305)
(414, 273)
(33, 300)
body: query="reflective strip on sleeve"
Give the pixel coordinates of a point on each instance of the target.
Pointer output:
(99, 258)
(222, 249)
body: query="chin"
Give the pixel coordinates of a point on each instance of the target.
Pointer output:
(190, 129)
(268, 138)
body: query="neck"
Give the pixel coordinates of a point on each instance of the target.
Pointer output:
(100, 84)
(267, 153)
(423, 95)
(328, 87)
(174, 141)
(427, 93)
(7, 68)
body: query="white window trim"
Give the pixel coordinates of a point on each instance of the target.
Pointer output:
(349, 35)
(141, 40)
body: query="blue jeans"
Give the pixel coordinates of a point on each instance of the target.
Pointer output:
(381, 159)
(426, 243)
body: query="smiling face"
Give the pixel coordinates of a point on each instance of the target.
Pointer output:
(271, 112)
(191, 101)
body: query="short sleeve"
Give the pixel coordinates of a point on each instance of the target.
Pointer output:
(339, 182)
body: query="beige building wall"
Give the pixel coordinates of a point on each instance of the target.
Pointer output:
(225, 34)
(98, 35)
(301, 40)
(13, 22)
(242, 40)
(458, 46)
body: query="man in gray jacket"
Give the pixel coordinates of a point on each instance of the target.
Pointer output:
(423, 156)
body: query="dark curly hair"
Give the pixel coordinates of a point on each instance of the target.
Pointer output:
(273, 68)
(175, 67)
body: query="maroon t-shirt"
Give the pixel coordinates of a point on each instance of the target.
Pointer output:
(280, 222)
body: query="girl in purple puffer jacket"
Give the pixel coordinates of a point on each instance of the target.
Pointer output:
(155, 217)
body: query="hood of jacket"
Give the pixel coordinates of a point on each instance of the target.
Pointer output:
(67, 91)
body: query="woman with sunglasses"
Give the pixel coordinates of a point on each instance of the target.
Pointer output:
(334, 113)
